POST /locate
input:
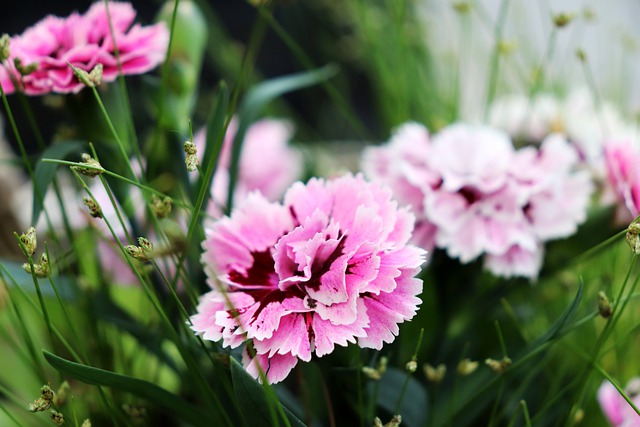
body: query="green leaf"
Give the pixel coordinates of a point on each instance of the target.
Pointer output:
(159, 396)
(105, 309)
(215, 138)
(555, 330)
(265, 92)
(259, 96)
(19, 277)
(258, 400)
(415, 405)
(44, 172)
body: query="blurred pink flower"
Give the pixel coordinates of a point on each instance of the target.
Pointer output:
(403, 164)
(329, 266)
(623, 173)
(83, 41)
(616, 408)
(475, 195)
(267, 163)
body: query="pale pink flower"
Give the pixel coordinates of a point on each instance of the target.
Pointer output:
(479, 197)
(403, 164)
(623, 172)
(84, 41)
(267, 163)
(617, 410)
(475, 156)
(329, 266)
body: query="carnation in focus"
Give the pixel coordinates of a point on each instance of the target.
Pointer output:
(329, 266)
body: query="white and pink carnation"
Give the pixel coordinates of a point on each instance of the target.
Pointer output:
(83, 41)
(479, 197)
(616, 409)
(622, 161)
(329, 266)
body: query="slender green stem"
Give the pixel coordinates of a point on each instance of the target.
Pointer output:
(414, 358)
(495, 56)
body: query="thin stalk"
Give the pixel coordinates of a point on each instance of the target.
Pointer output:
(414, 358)
(63, 307)
(54, 331)
(495, 56)
(190, 362)
(36, 284)
(123, 87)
(26, 336)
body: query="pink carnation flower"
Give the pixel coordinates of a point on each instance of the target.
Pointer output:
(477, 196)
(616, 408)
(404, 166)
(267, 163)
(328, 267)
(83, 41)
(623, 173)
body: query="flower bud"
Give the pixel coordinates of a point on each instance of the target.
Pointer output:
(371, 373)
(632, 237)
(44, 401)
(561, 20)
(29, 241)
(24, 70)
(143, 253)
(604, 306)
(161, 207)
(90, 79)
(60, 398)
(435, 375)
(191, 161)
(462, 7)
(86, 423)
(5, 52)
(498, 366)
(467, 367)
(507, 47)
(94, 208)
(94, 167)
(95, 76)
(57, 417)
(411, 366)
